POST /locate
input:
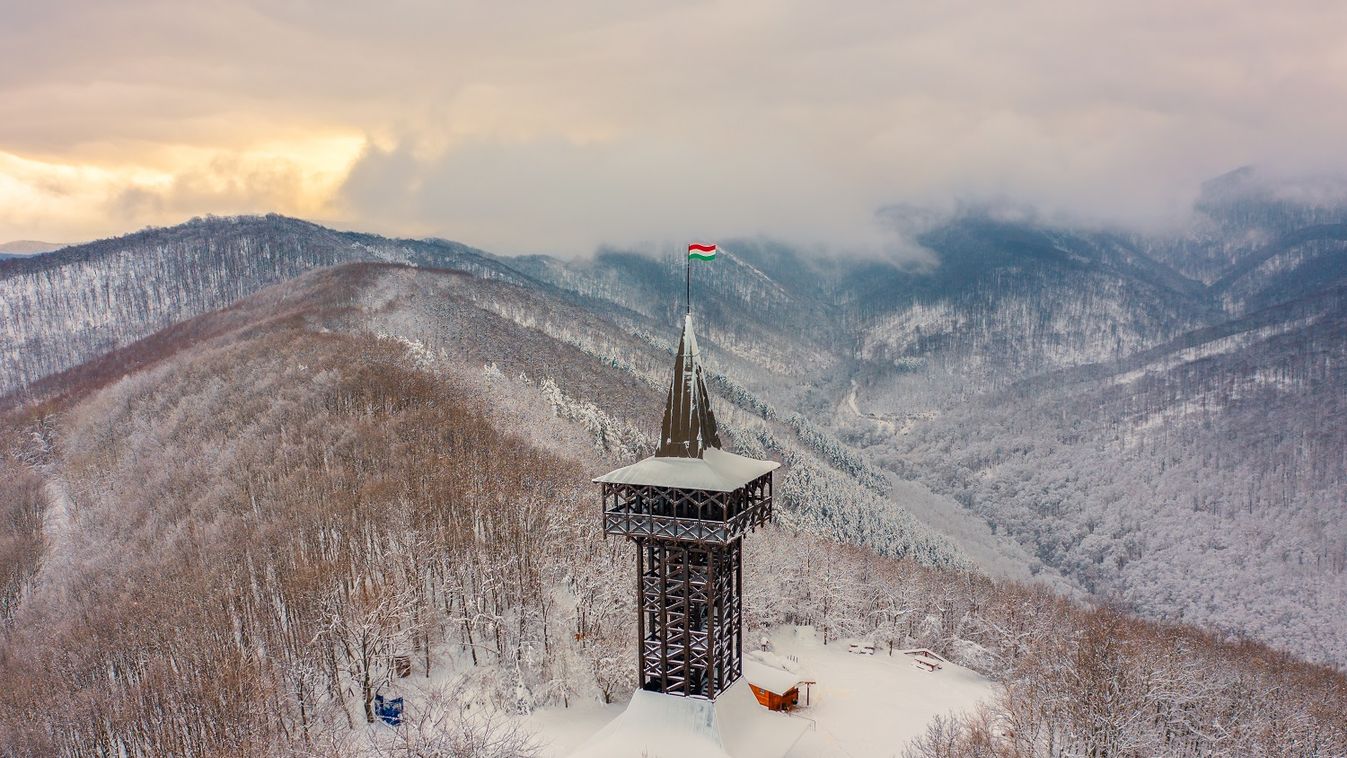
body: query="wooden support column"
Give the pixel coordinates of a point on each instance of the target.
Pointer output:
(664, 622)
(640, 612)
(686, 564)
(711, 683)
(738, 609)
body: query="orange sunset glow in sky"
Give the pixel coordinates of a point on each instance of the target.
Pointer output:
(557, 127)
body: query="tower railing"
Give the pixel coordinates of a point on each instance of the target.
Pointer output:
(700, 516)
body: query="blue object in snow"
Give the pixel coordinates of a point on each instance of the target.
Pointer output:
(389, 710)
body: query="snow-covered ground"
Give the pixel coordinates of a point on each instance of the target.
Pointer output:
(562, 730)
(873, 705)
(861, 705)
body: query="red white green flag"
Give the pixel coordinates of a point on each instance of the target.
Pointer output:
(701, 252)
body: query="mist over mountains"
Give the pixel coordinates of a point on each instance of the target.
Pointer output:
(1160, 420)
(252, 426)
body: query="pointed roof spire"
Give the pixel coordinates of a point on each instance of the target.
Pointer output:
(689, 426)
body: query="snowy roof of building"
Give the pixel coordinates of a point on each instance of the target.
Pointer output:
(689, 427)
(716, 470)
(774, 680)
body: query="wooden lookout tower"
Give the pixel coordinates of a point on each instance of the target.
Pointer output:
(687, 508)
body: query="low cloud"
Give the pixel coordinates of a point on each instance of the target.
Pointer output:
(552, 195)
(545, 127)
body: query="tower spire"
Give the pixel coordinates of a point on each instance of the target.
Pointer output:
(689, 426)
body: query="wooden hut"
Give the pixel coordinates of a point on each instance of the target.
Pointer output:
(776, 688)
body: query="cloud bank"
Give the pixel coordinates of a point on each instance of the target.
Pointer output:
(551, 127)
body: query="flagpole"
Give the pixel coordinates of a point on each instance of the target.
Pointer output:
(688, 263)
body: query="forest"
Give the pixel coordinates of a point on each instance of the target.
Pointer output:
(225, 549)
(1215, 468)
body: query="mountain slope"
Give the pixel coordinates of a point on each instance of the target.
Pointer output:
(1056, 400)
(1201, 480)
(244, 517)
(1009, 301)
(61, 309)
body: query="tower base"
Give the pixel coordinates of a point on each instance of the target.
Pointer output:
(733, 725)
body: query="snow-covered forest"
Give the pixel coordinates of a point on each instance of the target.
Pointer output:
(59, 310)
(314, 431)
(1177, 487)
(226, 550)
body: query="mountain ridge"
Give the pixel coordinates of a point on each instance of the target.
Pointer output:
(1011, 315)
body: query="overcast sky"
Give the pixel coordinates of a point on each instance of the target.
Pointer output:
(559, 126)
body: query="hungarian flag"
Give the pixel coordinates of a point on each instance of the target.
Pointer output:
(701, 252)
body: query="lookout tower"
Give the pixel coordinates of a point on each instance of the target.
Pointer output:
(687, 508)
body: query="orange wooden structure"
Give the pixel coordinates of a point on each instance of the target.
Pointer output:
(774, 701)
(774, 681)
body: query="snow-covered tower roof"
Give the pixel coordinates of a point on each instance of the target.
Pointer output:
(689, 426)
(689, 455)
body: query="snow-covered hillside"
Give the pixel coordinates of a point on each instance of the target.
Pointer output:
(227, 535)
(1076, 403)
(61, 309)
(1202, 481)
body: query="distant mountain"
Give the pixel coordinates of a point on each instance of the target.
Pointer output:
(1158, 419)
(1255, 235)
(28, 247)
(230, 536)
(1009, 301)
(1201, 480)
(63, 308)
(499, 317)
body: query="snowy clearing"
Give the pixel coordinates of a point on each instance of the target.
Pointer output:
(861, 706)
